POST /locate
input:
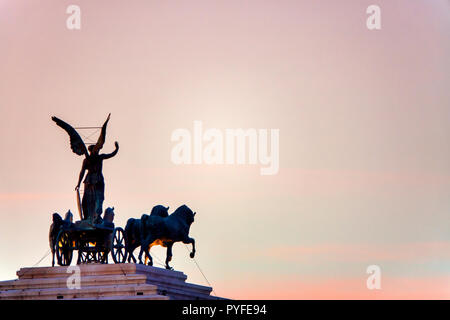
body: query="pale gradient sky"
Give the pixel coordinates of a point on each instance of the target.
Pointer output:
(364, 119)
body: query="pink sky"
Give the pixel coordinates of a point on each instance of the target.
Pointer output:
(364, 128)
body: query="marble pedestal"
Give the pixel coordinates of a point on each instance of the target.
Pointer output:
(103, 281)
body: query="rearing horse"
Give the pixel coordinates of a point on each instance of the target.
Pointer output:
(165, 231)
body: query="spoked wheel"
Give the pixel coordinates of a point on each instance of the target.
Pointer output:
(86, 257)
(118, 246)
(64, 249)
(102, 257)
(86, 252)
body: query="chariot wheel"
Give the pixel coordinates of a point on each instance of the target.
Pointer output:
(118, 252)
(64, 249)
(85, 254)
(101, 257)
(86, 257)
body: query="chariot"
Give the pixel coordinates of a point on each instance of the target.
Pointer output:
(94, 242)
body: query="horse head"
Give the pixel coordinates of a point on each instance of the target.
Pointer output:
(56, 218)
(68, 217)
(160, 211)
(109, 215)
(185, 213)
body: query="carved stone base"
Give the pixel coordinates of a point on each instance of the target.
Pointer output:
(103, 281)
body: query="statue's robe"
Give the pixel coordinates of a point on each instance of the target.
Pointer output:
(94, 188)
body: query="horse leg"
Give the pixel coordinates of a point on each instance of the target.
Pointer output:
(140, 254)
(132, 256)
(132, 251)
(129, 253)
(53, 249)
(145, 242)
(144, 248)
(147, 254)
(190, 240)
(169, 255)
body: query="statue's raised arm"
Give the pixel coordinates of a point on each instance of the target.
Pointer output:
(101, 139)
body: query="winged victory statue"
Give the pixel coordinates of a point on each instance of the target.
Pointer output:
(94, 185)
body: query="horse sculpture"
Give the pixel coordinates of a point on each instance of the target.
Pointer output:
(56, 225)
(164, 230)
(134, 231)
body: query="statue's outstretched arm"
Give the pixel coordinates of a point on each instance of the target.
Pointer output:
(112, 154)
(83, 170)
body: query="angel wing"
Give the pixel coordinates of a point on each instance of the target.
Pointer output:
(102, 137)
(76, 143)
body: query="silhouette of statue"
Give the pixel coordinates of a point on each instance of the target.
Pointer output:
(94, 185)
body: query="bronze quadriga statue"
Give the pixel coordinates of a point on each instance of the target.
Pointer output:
(95, 236)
